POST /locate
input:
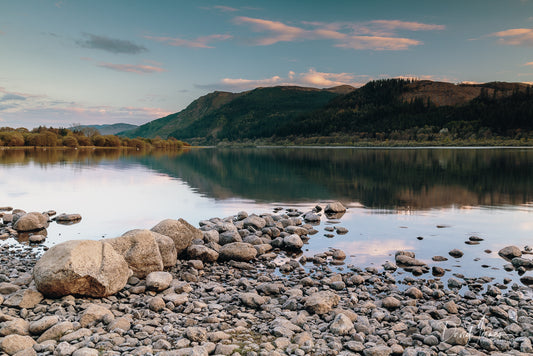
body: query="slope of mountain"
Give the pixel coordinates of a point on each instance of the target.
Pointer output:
(110, 129)
(394, 109)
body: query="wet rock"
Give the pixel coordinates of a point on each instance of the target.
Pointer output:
(31, 222)
(527, 280)
(67, 218)
(158, 281)
(237, 251)
(334, 207)
(510, 252)
(180, 231)
(37, 238)
(81, 267)
(439, 258)
(518, 262)
(311, 217)
(454, 283)
(293, 242)
(456, 253)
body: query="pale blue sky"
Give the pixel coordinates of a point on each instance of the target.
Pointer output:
(96, 62)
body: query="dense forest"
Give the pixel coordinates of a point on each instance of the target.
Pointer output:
(384, 112)
(84, 137)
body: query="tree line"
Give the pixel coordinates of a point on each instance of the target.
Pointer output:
(84, 137)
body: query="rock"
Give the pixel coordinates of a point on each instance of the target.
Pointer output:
(455, 336)
(180, 231)
(8, 288)
(167, 249)
(196, 334)
(39, 326)
(380, 350)
(67, 218)
(527, 280)
(211, 236)
(158, 281)
(293, 242)
(81, 267)
(56, 332)
(64, 349)
(405, 260)
(237, 251)
(11, 344)
(454, 283)
(451, 307)
(391, 303)
(321, 302)
(16, 326)
(86, 351)
(438, 271)
(37, 239)
(156, 304)
(140, 250)
(311, 217)
(24, 298)
(456, 253)
(522, 262)
(252, 300)
(439, 258)
(31, 222)
(341, 325)
(414, 293)
(94, 314)
(334, 207)
(341, 230)
(121, 323)
(202, 253)
(510, 252)
(254, 221)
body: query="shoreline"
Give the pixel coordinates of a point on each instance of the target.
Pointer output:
(250, 308)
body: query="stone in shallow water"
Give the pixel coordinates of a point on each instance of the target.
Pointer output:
(456, 253)
(510, 252)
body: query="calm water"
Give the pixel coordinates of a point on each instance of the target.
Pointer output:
(393, 195)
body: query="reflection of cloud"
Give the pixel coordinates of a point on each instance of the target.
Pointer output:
(374, 247)
(112, 45)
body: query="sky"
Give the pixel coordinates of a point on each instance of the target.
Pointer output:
(65, 62)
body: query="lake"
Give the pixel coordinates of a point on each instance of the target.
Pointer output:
(425, 200)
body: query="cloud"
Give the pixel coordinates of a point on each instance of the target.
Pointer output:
(132, 68)
(515, 37)
(200, 42)
(112, 45)
(311, 78)
(225, 8)
(12, 96)
(378, 35)
(529, 64)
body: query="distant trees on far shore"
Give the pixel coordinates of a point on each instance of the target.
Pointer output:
(73, 138)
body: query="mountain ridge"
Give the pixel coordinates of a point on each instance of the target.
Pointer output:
(392, 108)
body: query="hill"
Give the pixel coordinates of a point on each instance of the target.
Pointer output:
(232, 116)
(110, 129)
(383, 110)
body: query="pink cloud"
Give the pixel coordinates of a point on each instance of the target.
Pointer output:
(529, 64)
(200, 42)
(515, 37)
(405, 25)
(374, 35)
(379, 43)
(131, 68)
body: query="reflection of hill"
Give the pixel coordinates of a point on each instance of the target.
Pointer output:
(417, 179)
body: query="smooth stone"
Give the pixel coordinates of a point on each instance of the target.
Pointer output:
(158, 281)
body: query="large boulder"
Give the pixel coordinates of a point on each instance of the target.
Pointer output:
(334, 207)
(238, 251)
(140, 250)
(167, 249)
(31, 222)
(180, 231)
(81, 267)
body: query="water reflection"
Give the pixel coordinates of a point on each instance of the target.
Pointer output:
(411, 179)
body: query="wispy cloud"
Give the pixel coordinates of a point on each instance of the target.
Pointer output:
(376, 35)
(131, 68)
(311, 78)
(199, 42)
(112, 45)
(32, 110)
(515, 37)
(529, 64)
